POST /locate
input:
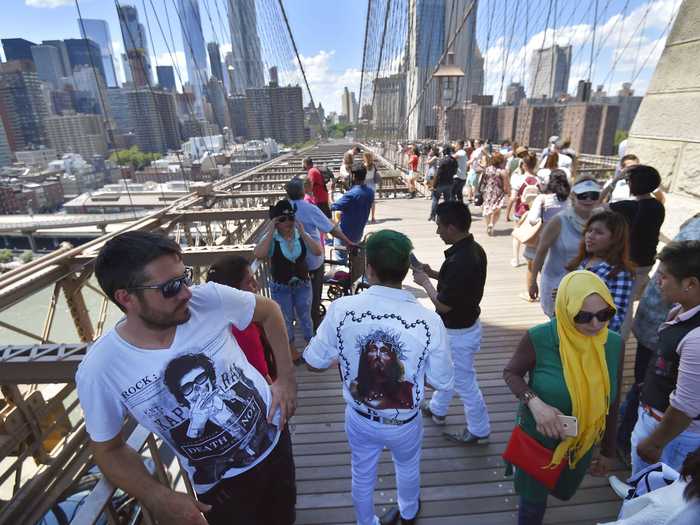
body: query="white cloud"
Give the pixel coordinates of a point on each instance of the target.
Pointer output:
(325, 83)
(645, 22)
(48, 3)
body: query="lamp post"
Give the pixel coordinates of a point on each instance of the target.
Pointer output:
(448, 76)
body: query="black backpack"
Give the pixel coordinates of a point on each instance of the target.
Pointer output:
(327, 174)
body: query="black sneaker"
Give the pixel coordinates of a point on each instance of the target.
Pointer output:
(425, 410)
(466, 438)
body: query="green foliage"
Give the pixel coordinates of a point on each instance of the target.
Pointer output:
(26, 256)
(133, 157)
(620, 135)
(302, 145)
(5, 256)
(338, 131)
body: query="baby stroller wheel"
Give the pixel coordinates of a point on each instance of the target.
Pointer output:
(321, 311)
(334, 292)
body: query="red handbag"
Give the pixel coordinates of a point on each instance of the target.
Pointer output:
(526, 453)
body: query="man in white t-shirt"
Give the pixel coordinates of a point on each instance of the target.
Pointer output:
(460, 177)
(173, 364)
(387, 347)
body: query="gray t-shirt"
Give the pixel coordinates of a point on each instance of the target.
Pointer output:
(461, 158)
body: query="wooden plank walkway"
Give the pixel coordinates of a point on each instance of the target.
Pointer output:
(459, 485)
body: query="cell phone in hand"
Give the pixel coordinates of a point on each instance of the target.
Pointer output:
(415, 263)
(570, 424)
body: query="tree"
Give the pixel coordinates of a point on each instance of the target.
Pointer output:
(620, 135)
(133, 157)
(26, 256)
(5, 256)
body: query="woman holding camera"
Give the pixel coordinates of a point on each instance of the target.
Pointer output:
(285, 245)
(573, 363)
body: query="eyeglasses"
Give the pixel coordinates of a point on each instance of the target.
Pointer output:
(588, 196)
(284, 218)
(187, 388)
(170, 288)
(603, 316)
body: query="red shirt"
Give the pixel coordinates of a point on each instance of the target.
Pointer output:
(250, 342)
(413, 163)
(318, 186)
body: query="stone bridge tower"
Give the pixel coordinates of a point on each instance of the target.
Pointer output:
(666, 131)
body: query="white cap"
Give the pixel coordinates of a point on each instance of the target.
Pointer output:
(553, 139)
(585, 186)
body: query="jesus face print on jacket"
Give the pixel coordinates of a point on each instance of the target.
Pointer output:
(380, 381)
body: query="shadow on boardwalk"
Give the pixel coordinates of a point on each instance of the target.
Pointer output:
(459, 485)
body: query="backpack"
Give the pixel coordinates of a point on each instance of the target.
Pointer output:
(327, 174)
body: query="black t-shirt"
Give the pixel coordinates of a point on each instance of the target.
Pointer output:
(461, 283)
(645, 218)
(447, 169)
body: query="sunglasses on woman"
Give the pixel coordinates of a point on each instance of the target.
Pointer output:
(284, 218)
(588, 196)
(170, 288)
(603, 316)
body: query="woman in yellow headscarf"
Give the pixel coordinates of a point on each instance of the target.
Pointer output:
(574, 368)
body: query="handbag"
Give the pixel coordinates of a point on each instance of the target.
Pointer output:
(526, 453)
(527, 233)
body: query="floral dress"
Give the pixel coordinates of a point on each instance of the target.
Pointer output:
(492, 190)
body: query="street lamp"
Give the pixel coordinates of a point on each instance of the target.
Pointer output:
(448, 76)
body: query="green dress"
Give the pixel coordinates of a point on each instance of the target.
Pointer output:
(547, 380)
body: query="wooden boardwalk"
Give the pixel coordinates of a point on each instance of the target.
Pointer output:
(459, 485)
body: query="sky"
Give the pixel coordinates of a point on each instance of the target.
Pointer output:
(629, 36)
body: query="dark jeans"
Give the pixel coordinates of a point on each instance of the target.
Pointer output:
(325, 208)
(531, 512)
(446, 192)
(316, 291)
(628, 409)
(264, 494)
(457, 189)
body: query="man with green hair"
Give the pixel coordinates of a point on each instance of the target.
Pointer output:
(387, 348)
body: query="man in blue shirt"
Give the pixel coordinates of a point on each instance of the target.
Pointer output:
(315, 222)
(355, 205)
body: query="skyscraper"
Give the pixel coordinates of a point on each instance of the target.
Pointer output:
(166, 77)
(549, 72)
(23, 109)
(215, 61)
(84, 52)
(5, 153)
(426, 42)
(82, 134)
(48, 64)
(195, 50)
(155, 120)
(349, 105)
(135, 44)
(275, 112)
(467, 55)
(60, 45)
(17, 49)
(247, 58)
(98, 32)
(228, 72)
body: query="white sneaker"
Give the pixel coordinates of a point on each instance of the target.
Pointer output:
(514, 263)
(619, 487)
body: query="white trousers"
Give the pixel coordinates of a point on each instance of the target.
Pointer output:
(367, 439)
(464, 343)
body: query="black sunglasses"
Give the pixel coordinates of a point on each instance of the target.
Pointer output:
(187, 388)
(284, 218)
(170, 288)
(603, 316)
(588, 196)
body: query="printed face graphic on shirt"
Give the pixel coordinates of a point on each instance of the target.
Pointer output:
(225, 423)
(380, 381)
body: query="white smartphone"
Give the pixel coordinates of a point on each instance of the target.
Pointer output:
(570, 424)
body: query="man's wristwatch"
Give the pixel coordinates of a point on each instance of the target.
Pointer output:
(527, 396)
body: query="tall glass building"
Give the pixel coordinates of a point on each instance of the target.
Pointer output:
(98, 32)
(136, 45)
(195, 50)
(247, 60)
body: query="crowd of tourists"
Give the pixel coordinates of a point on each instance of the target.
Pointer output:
(210, 368)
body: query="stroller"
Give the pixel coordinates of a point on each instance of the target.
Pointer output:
(347, 274)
